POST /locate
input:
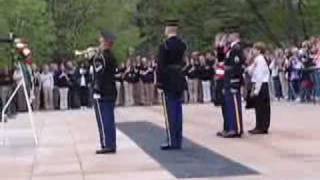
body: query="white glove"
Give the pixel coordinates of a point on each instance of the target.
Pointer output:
(96, 96)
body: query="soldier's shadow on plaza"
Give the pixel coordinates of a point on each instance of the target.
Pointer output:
(193, 161)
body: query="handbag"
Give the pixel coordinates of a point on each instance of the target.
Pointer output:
(250, 100)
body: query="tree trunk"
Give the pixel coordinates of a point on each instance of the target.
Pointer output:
(303, 19)
(295, 28)
(254, 8)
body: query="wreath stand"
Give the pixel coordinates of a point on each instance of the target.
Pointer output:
(21, 84)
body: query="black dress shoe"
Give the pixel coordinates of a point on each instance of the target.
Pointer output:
(231, 134)
(252, 131)
(106, 151)
(257, 131)
(167, 147)
(221, 133)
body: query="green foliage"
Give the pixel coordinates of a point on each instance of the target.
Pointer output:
(280, 22)
(30, 20)
(55, 28)
(78, 23)
(200, 20)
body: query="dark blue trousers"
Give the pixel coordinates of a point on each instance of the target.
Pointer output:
(104, 111)
(224, 114)
(233, 111)
(174, 114)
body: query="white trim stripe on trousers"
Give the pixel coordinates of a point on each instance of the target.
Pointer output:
(102, 125)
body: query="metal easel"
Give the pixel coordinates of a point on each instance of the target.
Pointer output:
(21, 84)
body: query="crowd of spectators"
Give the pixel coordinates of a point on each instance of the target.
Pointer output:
(295, 76)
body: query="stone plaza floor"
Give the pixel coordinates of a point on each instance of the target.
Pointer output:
(68, 140)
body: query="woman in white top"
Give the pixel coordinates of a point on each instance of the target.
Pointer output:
(260, 77)
(47, 85)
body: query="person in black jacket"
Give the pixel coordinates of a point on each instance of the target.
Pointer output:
(63, 83)
(171, 80)
(193, 81)
(185, 70)
(105, 93)
(74, 88)
(6, 83)
(83, 79)
(205, 77)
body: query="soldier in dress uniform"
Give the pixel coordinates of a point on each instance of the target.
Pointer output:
(232, 84)
(171, 80)
(105, 93)
(219, 86)
(221, 50)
